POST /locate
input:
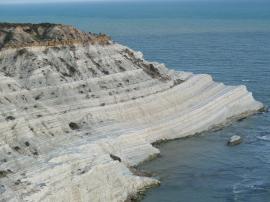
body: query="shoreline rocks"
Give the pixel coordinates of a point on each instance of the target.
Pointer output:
(234, 140)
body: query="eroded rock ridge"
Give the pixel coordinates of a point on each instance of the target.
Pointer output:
(75, 117)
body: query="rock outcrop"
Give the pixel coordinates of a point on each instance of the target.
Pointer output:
(45, 34)
(234, 140)
(76, 116)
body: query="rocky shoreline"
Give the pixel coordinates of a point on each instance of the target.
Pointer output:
(77, 117)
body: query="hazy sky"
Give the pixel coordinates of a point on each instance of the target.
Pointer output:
(48, 1)
(41, 1)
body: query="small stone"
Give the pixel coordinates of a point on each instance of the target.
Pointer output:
(234, 140)
(115, 158)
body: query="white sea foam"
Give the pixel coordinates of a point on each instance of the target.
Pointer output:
(265, 137)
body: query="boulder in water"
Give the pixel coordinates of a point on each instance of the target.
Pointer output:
(234, 140)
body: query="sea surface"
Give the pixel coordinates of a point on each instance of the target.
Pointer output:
(230, 41)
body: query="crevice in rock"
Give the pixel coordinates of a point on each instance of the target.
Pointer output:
(115, 158)
(74, 126)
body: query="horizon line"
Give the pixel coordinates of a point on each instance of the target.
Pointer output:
(18, 2)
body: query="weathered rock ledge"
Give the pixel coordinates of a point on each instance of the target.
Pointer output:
(74, 118)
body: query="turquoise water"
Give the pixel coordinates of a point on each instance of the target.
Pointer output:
(231, 41)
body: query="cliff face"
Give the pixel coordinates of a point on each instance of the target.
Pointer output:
(75, 116)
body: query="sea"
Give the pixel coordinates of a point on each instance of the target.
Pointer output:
(229, 40)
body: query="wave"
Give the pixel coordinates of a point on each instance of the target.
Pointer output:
(265, 137)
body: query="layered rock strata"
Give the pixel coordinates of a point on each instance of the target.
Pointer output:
(76, 116)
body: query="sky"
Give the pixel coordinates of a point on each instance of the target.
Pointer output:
(50, 1)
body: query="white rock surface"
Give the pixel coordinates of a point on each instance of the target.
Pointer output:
(120, 104)
(235, 140)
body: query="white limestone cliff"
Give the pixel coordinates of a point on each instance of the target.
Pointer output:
(66, 108)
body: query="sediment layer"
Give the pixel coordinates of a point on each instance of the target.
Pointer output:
(45, 34)
(74, 118)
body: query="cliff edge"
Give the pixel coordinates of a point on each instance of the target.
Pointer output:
(45, 34)
(78, 111)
